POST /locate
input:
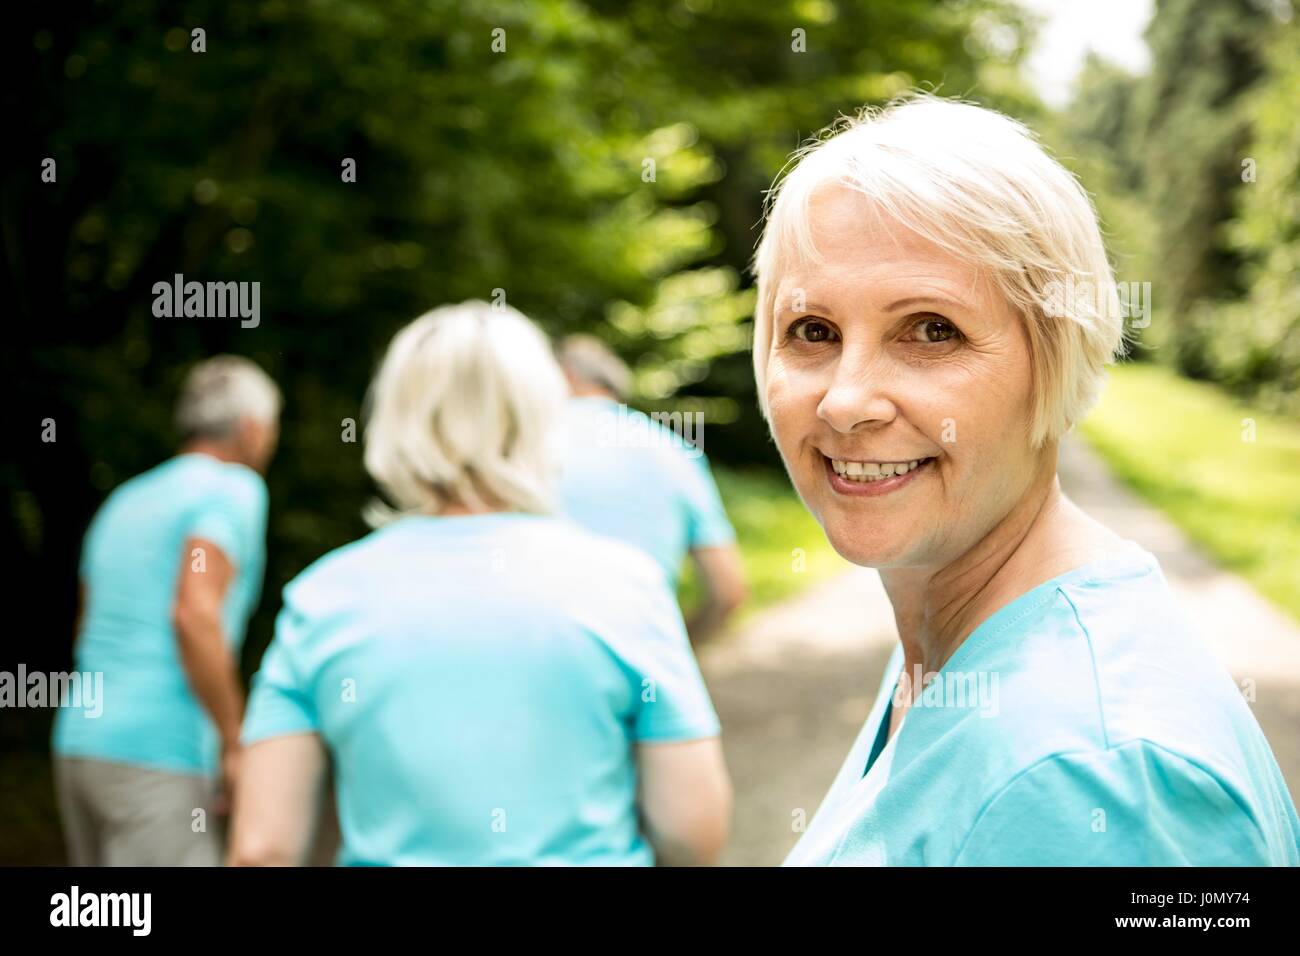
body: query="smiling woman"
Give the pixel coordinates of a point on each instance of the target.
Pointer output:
(918, 370)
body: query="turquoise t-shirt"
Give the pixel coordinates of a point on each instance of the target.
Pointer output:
(480, 681)
(628, 477)
(1084, 723)
(130, 563)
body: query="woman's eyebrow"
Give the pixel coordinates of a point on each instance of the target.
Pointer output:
(788, 304)
(808, 306)
(920, 299)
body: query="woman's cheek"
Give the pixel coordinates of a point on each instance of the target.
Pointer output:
(781, 401)
(785, 414)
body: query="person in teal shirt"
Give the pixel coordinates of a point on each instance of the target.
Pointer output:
(628, 476)
(1081, 724)
(492, 683)
(171, 570)
(935, 314)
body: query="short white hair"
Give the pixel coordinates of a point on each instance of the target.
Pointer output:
(464, 411)
(977, 184)
(220, 391)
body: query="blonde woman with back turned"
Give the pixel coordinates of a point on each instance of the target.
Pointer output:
(494, 685)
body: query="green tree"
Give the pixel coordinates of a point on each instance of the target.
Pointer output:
(1256, 345)
(601, 163)
(1205, 55)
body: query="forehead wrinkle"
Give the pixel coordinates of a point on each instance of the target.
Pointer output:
(884, 281)
(875, 227)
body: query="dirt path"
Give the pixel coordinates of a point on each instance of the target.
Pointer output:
(794, 684)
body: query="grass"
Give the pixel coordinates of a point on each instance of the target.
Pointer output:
(783, 548)
(1187, 448)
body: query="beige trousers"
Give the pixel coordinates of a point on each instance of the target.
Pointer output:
(117, 814)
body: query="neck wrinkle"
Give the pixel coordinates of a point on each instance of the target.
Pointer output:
(936, 613)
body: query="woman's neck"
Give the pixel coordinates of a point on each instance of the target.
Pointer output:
(1043, 536)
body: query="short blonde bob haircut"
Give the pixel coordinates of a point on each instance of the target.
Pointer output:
(463, 412)
(978, 185)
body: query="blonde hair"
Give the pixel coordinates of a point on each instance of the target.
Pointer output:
(978, 185)
(220, 391)
(462, 412)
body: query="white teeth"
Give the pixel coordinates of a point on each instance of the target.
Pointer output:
(871, 471)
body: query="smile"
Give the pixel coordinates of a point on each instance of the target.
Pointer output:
(872, 477)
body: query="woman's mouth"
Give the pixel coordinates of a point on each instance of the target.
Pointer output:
(872, 478)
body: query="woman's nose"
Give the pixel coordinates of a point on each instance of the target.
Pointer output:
(857, 395)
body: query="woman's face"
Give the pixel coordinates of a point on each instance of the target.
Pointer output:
(890, 352)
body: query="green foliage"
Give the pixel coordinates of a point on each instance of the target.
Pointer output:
(1101, 120)
(1196, 168)
(524, 169)
(1097, 138)
(1256, 348)
(1205, 55)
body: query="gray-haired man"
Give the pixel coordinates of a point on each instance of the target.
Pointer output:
(171, 569)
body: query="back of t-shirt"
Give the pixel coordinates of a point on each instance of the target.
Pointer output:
(480, 681)
(130, 562)
(628, 477)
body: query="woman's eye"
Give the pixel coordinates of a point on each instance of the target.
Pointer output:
(810, 330)
(935, 329)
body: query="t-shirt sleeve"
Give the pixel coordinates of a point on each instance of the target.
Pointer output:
(640, 622)
(234, 517)
(706, 518)
(1136, 804)
(280, 702)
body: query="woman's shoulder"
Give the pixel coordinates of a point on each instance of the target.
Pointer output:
(334, 573)
(1108, 646)
(454, 556)
(1109, 673)
(1151, 672)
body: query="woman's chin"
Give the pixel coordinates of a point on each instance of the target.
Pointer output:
(866, 549)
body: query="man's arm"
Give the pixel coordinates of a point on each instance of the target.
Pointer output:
(722, 584)
(212, 671)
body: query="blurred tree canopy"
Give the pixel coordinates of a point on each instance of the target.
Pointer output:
(1197, 169)
(601, 163)
(1257, 346)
